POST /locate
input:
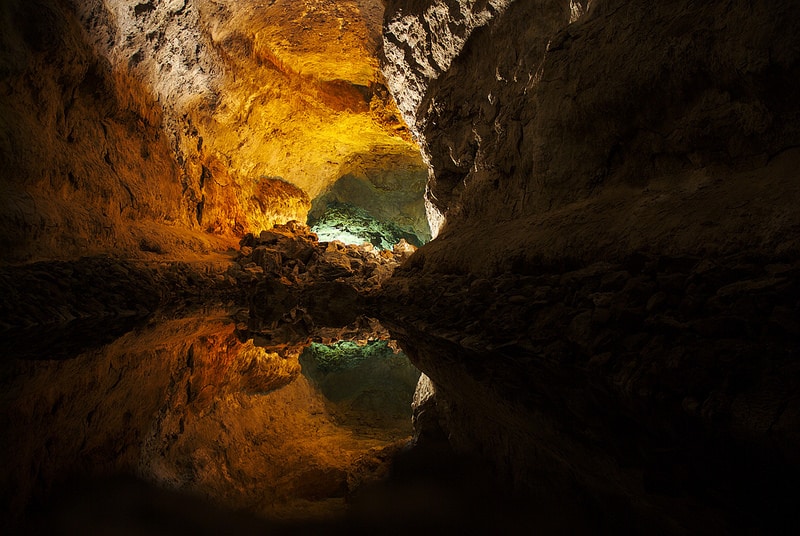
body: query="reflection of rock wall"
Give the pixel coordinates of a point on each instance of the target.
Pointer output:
(369, 386)
(182, 403)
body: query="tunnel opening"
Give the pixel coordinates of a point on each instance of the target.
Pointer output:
(379, 200)
(350, 224)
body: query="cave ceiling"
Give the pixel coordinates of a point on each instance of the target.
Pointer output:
(227, 116)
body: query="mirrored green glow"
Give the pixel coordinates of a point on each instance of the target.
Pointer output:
(346, 354)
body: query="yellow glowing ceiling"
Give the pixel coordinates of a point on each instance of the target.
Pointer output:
(299, 96)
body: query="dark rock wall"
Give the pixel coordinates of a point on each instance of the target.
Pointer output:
(646, 381)
(532, 112)
(610, 312)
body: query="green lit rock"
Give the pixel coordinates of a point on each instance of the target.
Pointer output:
(389, 187)
(354, 225)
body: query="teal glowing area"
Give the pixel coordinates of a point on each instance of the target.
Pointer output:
(329, 234)
(353, 225)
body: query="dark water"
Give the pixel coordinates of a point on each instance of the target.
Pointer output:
(60, 342)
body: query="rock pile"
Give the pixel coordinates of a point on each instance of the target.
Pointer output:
(298, 287)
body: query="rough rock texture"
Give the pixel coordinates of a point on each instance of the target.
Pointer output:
(425, 413)
(609, 314)
(564, 111)
(656, 377)
(81, 144)
(182, 121)
(55, 293)
(299, 289)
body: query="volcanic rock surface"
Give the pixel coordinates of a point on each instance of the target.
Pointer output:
(608, 320)
(609, 313)
(185, 124)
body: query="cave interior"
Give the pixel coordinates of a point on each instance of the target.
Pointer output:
(399, 266)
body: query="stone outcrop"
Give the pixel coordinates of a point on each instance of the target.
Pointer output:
(609, 311)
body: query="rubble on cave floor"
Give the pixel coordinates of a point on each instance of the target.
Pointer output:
(54, 293)
(293, 252)
(299, 288)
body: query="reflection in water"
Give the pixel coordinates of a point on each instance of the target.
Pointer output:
(368, 387)
(184, 404)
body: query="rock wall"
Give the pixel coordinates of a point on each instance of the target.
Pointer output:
(82, 144)
(565, 110)
(183, 121)
(609, 312)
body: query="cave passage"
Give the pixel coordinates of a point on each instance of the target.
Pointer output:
(352, 225)
(379, 205)
(209, 220)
